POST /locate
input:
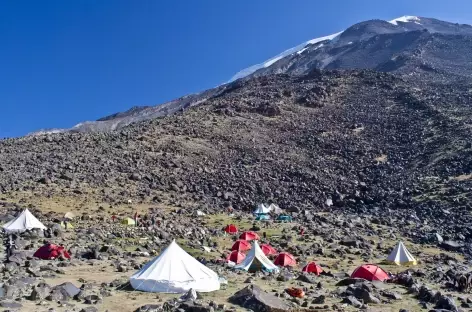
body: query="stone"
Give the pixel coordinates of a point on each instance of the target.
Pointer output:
(307, 278)
(391, 295)
(40, 292)
(446, 303)
(353, 301)
(254, 298)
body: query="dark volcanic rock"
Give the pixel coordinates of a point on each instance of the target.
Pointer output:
(254, 298)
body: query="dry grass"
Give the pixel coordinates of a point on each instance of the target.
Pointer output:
(381, 159)
(462, 177)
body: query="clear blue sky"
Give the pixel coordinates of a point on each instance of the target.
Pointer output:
(63, 62)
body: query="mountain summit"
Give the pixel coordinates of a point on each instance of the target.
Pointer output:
(418, 47)
(417, 42)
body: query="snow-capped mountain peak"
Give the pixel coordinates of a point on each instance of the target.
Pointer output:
(298, 49)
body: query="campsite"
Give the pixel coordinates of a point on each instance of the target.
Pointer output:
(289, 265)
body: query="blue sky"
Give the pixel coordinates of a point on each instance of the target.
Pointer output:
(63, 62)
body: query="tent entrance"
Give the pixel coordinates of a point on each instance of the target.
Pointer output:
(256, 266)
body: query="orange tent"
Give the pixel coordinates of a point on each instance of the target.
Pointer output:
(268, 250)
(231, 229)
(370, 272)
(285, 259)
(249, 236)
(312, 267)
(236, 257)
(241, 245)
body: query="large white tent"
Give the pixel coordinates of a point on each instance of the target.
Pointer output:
(262, 209)
(401, 256)
(25, 221)
(256, 260)
(175, 271)
(275, 209)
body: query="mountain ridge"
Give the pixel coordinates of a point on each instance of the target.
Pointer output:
(408, 45)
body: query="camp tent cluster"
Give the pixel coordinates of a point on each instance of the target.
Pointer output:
(257, 257)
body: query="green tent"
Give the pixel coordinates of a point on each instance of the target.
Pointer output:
(284, 218)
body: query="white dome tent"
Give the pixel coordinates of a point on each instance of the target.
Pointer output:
(25, 221)
(175, 271)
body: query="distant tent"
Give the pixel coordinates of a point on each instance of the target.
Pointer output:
(275, 209)
(284, 218)
(69, 225)
(249, 236)
(312, 267)
(24, 221)
(128, 221)
(370, 272)
(285, 259)
(69, 215)
(401, 256)
(263, 217)
(262, 209)
(268, 250)
(50, 252)
(175, 271)
(236, 257)
(256, 261)
(200, 213)
(241, 245)
(231, 229)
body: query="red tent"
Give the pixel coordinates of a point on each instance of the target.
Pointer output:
(370, 272)
(312, 267)
(50, 252)
(285, 259)
(236, 257)
(268, 250)
(249, 236)
(231, 229)
(241, 245)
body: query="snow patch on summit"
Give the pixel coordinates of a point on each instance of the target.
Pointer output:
(406, 19)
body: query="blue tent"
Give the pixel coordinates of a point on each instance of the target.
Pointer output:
(262, 217)
(284, 218)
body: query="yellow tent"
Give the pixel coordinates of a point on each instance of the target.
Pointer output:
(69, 225)
(128, 221)
(401, 256)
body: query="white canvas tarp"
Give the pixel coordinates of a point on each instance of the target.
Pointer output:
(256, 260)
(175, 271)
(401, 256)
(261, 209)
(25, 221)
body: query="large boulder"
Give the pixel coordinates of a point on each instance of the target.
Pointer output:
(254, 298)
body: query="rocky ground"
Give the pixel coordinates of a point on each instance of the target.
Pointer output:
(359, 159)
(106, 254)
(371, 143)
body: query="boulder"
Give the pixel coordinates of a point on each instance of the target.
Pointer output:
(353, 301)
(40, 292)
(254, 298)
(446, 303)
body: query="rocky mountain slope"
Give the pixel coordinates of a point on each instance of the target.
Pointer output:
(418, 47)
(371, 142)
